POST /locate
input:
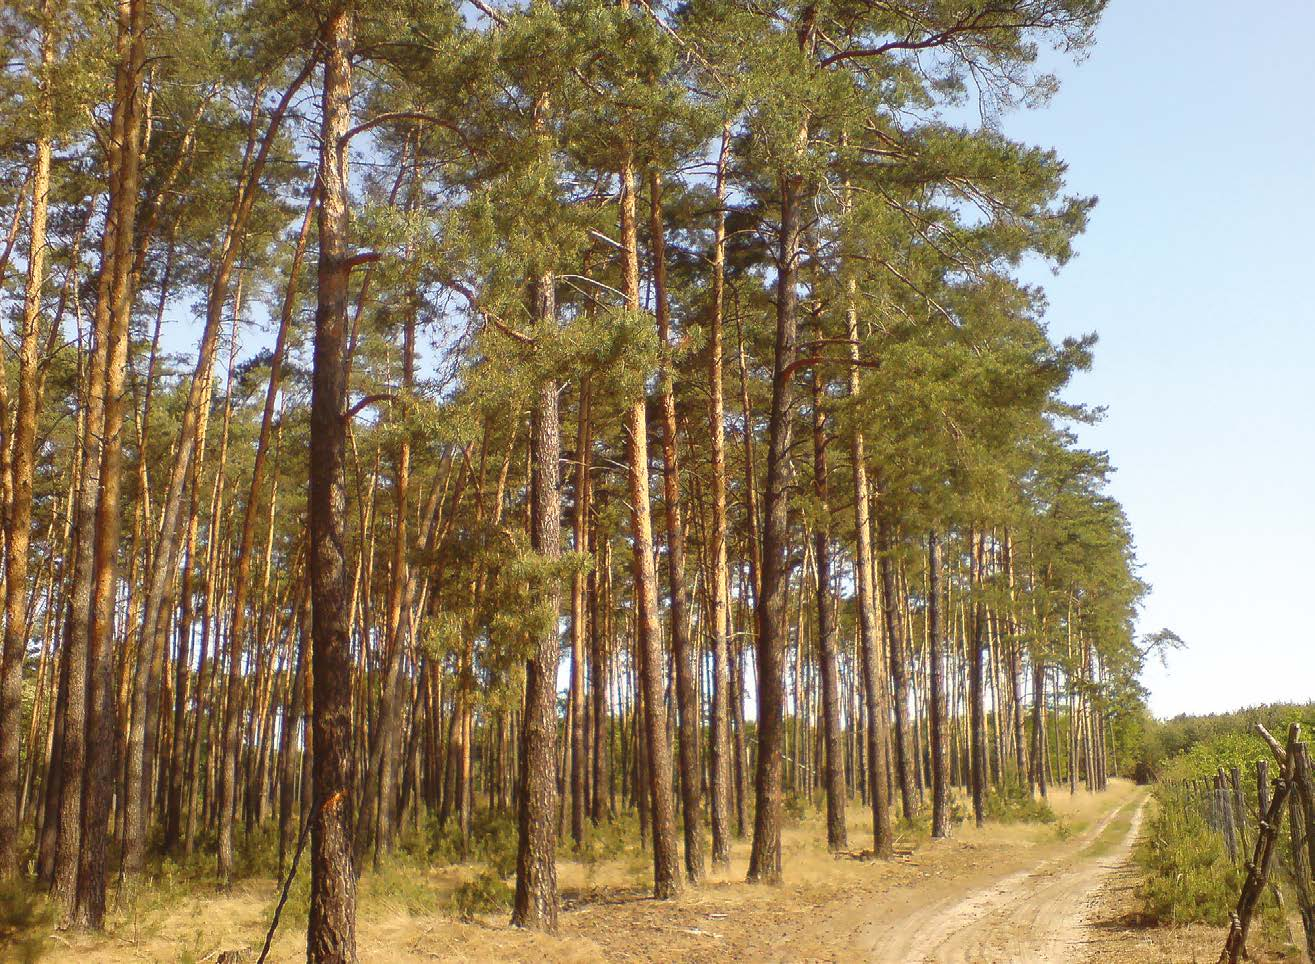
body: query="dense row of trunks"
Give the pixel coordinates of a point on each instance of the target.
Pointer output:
(272, 596)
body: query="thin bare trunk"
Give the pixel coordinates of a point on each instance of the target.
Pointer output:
(687, 703)
(18, 519)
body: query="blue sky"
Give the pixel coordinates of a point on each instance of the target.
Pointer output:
(1192, 121)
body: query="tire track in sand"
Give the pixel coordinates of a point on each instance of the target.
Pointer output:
(1036, 915)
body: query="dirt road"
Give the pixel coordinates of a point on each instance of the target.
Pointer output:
(1036, 914)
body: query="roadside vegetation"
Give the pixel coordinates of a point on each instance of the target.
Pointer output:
(1188, 875)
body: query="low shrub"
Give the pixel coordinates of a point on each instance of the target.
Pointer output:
(797, 808)
(25, 921)
(495, 842)
(1015, 804)
(486, 894)
(607, 841)
(1188, 874)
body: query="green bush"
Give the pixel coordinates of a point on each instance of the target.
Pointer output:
(256, 854)
(797, 807)
(486, 894)
(492, 841)
(1188, 875)
(1015, 804)
(607, 841)
(495, 842)
(25, 921)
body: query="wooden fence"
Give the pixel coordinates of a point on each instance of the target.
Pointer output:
(1252, 828)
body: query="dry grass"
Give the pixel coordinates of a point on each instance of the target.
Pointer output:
(405, 911)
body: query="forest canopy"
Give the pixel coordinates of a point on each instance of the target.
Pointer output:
(568, 409)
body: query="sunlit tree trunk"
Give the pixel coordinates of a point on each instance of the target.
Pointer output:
(720, 610)
(666, 872)
(687, 703)
(101, 508)
(836, 835)
(536, 900)
(331, 932)
(22, 448)
(765, 855)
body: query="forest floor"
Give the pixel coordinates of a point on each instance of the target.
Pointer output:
(1026, 891)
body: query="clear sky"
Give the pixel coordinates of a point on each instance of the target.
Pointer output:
(1192, 120)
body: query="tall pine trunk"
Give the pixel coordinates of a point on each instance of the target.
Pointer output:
(331, 931)
(976, 689)
(666, 872)
(883, 841)
(687, 702)
(765, 855)
(836, 835)
(536, 900)
(580, 619)
(940, 762)
(898, 664)
(113, 311)
(18, 521)
(720, 610)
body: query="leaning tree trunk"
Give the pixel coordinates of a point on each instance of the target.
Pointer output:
(238, 219)
(390, 710)
(293, 709)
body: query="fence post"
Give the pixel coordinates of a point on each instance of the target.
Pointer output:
(1299, 818)
(1306, 790)
(1230, 831)
(1239, 806)
(1262, 786)
(1258, 869)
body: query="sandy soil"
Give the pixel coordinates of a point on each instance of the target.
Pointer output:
(1037, 914)
(1008, 892)
(1001, 894)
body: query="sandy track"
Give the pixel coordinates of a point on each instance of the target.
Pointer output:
(1037, 914)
